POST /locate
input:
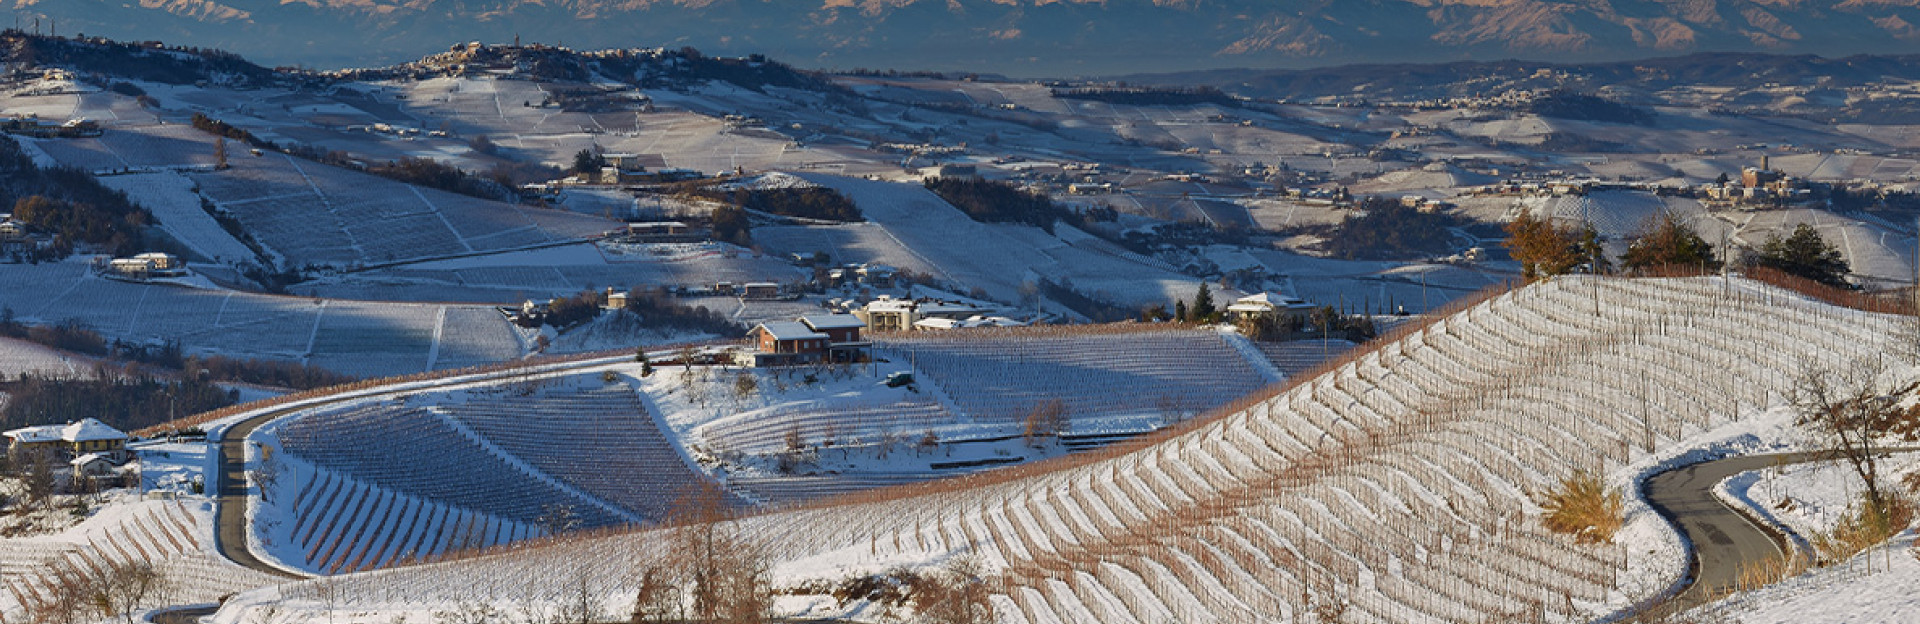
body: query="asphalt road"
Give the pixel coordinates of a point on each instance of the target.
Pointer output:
(230, 483)
(1723, 540)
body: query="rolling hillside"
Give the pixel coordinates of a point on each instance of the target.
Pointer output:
(1392, 488)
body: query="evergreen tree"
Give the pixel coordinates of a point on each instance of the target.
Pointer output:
(1805, 254)
(1669, 244)
(1180, 310)
(1203, 310)
(587, 162)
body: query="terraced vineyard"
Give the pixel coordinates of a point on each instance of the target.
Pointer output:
(1392, 488)
(169, 535)
(376, 483)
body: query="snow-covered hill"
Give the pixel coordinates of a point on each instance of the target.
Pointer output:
(1394, 488)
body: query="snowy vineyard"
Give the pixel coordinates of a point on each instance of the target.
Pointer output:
(1394, 488)
(172, 536)
(388, 482)
(998, 377)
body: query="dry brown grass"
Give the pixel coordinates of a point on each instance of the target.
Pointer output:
(1863, 527)
(1757, 574)
(1583, 506)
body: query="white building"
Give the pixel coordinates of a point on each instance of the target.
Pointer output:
(889, 314)
(1270, 304)
(73, 439)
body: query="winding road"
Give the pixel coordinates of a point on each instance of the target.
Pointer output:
(1722, 539)
(230, 507)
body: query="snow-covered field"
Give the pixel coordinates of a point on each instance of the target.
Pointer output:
(376, 482)
(313, 213)
(176, 206)
(1394, 487)
(911, 227)
(366, 338)
(19, 357)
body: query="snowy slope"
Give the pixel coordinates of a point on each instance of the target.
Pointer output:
(1396, 484)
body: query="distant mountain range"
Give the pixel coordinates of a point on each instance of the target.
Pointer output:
(1015, 37)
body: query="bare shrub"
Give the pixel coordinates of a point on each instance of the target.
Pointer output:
(1583, 506)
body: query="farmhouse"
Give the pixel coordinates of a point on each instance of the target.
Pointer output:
(658, 232)
(72, 439)
(811, 338)
(146, 266)
(875, 275)
(760, 291)
(92, 465)
(18, 240)
(787, 342)
(616, 300)
(843, 335)
(1273, 305)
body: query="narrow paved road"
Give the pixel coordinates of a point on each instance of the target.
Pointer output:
(1723, 539)
(230, 508)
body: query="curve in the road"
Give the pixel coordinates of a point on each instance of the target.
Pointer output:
(1723, 539)
(230, 486)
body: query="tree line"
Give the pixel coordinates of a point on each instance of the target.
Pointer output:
(1668, 244)
(815, 202)
(76, 337)
(70, 204)
(989, 201)
(1381, 228)
(497, 183)
(125, 403)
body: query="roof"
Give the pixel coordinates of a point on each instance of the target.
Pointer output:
(86, 430)
(789, 330)
(832, 321)
(891, 305)
(89, 458)
(944, 307)
(1271, 300)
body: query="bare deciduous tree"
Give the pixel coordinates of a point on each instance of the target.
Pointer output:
(957, 596)
(265, 474)
(1047, 420)
(725, 574)
(1849, 410)
(123, 588)
(659, 598)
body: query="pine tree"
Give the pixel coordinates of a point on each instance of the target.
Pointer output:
(1669, 244)
(1203, 310)
(1805, 254)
